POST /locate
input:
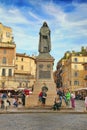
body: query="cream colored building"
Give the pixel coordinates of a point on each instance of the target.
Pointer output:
(72, 73)
(85, 74)
(16, 70)
(25, 69)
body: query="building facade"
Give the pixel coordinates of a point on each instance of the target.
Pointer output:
(70, 69)
(85, 74)
(25, 69)
(16, 70)
(7, 57)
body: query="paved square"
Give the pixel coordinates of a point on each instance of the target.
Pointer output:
(43, 121)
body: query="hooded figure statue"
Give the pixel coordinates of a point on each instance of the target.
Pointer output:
(44, 40)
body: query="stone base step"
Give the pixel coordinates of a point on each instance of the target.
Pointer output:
(43, 108)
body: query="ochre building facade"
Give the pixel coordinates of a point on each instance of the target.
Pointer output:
(71, 71)
(16, 70)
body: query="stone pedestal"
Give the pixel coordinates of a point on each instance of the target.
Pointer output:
(44, 74)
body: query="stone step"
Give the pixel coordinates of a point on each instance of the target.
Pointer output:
(43, 108)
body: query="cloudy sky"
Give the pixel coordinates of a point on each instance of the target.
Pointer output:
(67, 20)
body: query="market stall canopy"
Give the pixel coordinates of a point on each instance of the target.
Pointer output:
(79, 89)
(6, 88)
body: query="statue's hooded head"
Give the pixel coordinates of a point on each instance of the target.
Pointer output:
(45, 24)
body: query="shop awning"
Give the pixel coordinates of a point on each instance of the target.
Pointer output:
(79, 89)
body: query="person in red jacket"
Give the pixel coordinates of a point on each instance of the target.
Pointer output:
(40, 96)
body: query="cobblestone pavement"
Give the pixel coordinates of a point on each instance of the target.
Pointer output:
(80, 105)
(43, 121)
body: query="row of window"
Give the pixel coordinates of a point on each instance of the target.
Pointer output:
(76, 59)
(4, 61)
(22, 67)
(76, 83)
(22, 59)
(76, 66)
(8, 34)
(4, 58)
(4, 72)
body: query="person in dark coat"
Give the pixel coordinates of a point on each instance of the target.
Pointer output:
(57, 103)
(44, 96)
(23, 99)
(61, 94)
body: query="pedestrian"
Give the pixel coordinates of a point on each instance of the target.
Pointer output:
(44, 96)
(9, 102)
(61, 94)
(2, 104)
(86, 102)
(15, 101)
(6, 104)
(23, 98)
(32, 89)
(9, 94)
(73, 100)
(57, 103)
(68, 97)
(40, 98)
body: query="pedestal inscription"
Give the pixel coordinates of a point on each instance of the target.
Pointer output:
(44, 74)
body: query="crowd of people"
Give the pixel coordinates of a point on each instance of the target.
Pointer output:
(62, 96)
(6, 101)
(67, 96)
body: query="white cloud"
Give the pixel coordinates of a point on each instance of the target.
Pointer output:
(56, 12)
(67, 20)
(34, 16)
(24, 39)
(12, 16)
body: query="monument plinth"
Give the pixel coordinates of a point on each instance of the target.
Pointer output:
(44, 74)
(44, 67)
